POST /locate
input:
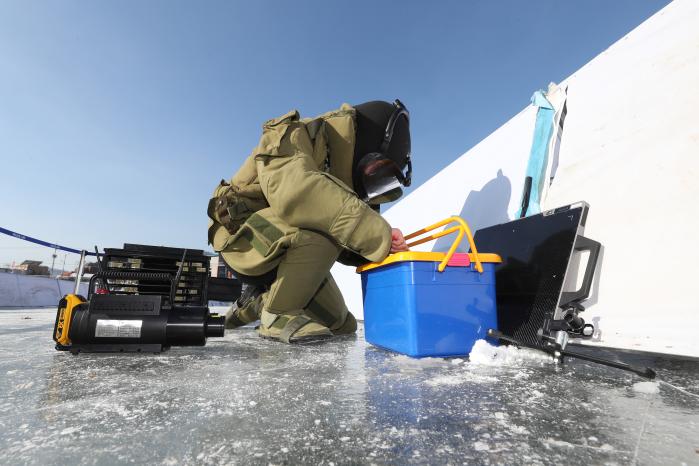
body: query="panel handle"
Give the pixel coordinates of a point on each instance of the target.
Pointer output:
(583, 244)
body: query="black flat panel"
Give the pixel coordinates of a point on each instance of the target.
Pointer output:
(535, 251)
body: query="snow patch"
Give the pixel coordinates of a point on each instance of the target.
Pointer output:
(461, 378)
(502, 420)
(406, 362)
(446, 380)
(480, 446)
(551, 442)
(70, 430)
(646, 387)
(486, 354)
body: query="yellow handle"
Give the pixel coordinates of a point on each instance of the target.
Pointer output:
(462, 228)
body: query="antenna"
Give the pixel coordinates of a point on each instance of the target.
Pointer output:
(101, 269)
(80, 271)
(173, 287)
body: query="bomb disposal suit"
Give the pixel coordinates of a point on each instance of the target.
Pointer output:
(307, 196)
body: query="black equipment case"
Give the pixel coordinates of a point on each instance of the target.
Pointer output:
(144, 268)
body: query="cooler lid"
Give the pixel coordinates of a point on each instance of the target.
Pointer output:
(457, 260)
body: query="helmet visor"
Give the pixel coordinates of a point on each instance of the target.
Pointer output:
(381, 179)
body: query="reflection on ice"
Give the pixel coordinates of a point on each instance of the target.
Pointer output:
(245, 400)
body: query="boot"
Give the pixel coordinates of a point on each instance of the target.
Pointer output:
(291, 328)
(348, 327)
(246, 308)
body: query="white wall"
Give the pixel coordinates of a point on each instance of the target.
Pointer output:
(17, 290)
(630, 148)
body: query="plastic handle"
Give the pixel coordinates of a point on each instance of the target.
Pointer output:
(462, 228)
(526, 194)
(583, 244)
(79, 275)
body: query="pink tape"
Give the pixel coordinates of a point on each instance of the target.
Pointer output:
(459, 259)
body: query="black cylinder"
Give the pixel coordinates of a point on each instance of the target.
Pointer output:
(215, 326)
(186, 327)
(116, 328)
(174, 327)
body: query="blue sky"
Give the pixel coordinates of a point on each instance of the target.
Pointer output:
(117, 119)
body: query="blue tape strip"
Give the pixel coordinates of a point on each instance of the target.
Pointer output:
(538, 156)
(42, 243)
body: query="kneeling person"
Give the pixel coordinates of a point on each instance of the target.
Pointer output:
(308, 196)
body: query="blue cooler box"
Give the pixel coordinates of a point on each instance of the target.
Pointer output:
(413, 308)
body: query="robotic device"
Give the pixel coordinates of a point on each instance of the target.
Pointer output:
(130, 323)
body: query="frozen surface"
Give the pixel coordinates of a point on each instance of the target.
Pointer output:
(646, 387)
(245, 400)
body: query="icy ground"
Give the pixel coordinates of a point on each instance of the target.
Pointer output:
(244, 400)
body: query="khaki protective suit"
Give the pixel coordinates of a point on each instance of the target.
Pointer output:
(291, 207)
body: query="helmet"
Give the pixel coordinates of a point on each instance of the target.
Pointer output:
(381, 162)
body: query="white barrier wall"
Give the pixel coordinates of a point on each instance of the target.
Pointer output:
(17, 290)
(630, 147)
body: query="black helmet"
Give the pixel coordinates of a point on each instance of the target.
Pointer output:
(382, 151)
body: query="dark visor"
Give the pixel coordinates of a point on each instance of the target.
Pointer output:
(381, 178)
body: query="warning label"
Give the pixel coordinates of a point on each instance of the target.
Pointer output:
(118, 328)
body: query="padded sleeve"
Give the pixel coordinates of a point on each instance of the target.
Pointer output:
(306, 197)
